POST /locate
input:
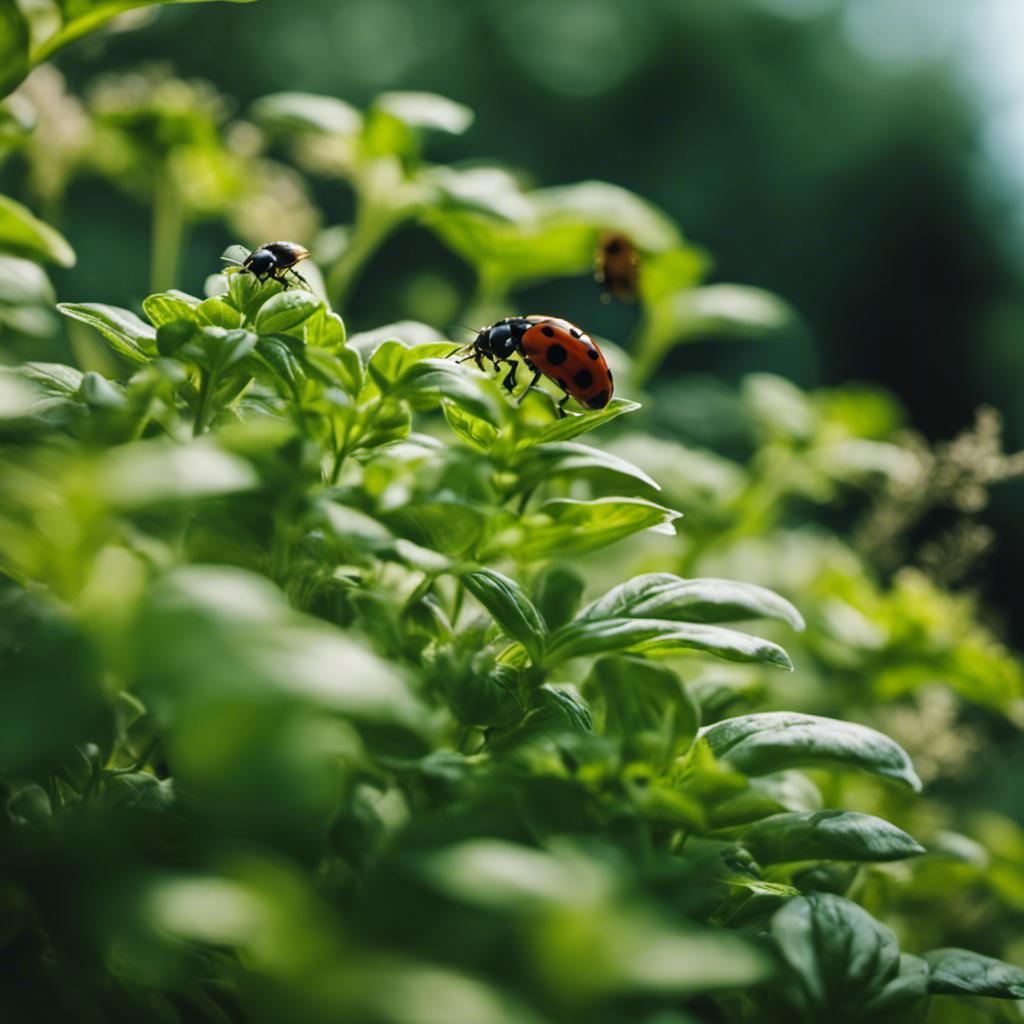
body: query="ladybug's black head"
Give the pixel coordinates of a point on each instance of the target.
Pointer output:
(260, 261)
(498, 341)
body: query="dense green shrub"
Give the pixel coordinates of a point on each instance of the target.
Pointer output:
(335, 686)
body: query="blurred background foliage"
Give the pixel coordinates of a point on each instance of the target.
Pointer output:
(835, 428)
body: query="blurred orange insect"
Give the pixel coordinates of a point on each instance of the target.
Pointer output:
(617, 267)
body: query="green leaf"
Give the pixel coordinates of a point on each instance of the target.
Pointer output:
(828, 835)
(122, 328)
(215, 312)
(426, 110)
(645, 704)
(773, 740)
(653, 636)
(540, 461)
(167, 307)
(286, 312)
(565, 527)
(961, 972)
(14, 46)
(148, 473)
(511, 608)
(225, 348)
(22, 234)
(325, 329)
(660, 595)
(443, 380)
(557, 592)
(279, 355)
(476, 432)
(54, 379)
(848, 966)
(303, 110)
(451, 527)
(342, 367)
(573, 426)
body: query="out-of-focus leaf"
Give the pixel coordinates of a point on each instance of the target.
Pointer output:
(122, 328)
(452, 527)
(660, 595)
(566, 527)
(156, 472)
(961, 972)
(511, 608)
(828, 835)
(654, 636)
(14, 46)
(308, 111)
(21, 233)
(426, 110)
(772, 740)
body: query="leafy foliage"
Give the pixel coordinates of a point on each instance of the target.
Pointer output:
(306, 716)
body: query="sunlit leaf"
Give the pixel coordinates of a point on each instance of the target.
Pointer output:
(122, 328)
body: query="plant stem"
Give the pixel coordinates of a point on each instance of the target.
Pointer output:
(205, 397)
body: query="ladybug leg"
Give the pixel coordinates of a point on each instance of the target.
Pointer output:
(560, 407)
(529, 387)
(509, 383)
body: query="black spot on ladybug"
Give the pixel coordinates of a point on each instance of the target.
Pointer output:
(592, 353)
(611, 380)
(583, 379)
(556, 354)
(575, 332)
(548, 332)
(598, 401)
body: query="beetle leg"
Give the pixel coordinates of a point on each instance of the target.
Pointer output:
(509, 382)
(304, 282)
(529, 387)
(560, 407)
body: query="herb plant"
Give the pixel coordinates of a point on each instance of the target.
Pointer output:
(336, 686)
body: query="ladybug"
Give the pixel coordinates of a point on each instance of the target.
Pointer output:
(617, 266)
(548, 346)
(273, 260)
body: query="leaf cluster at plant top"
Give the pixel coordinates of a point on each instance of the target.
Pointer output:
(306, 716)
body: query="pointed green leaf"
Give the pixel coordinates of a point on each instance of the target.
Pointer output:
(573, 426)
(565, 527)
(23, 234)
(540, 461)
(961, 972)
(443, 380)
(660, 595)
(653, 636)
(828, 835)
(773, 740)
(166, 307)
(476, 432)
(122, 328)
(511, 608)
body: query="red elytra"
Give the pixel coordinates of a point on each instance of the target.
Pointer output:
(550, 346)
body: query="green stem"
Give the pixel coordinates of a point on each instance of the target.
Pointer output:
(168, 229)
(206, 384)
